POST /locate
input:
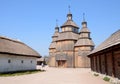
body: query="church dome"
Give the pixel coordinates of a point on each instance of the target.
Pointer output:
(84, 37)
(70, 22)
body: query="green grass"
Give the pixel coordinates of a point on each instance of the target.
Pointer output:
(106, 78)
(20, 73)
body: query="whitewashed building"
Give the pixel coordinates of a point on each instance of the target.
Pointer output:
(16, 56)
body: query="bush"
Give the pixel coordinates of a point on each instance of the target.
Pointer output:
(95, 74)
(106, 78)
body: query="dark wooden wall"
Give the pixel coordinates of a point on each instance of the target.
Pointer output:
(107, 62)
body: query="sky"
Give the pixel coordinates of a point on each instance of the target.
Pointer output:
(33, 21)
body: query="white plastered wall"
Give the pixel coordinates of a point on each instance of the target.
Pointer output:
(29, 63)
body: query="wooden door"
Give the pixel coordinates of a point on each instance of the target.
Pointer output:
(61, 63)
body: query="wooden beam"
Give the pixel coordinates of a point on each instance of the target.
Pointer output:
(96, 63)
(91, 63)
(100, 63)
(106, 69)
(113, 64)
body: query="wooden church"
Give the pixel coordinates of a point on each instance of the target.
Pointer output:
(69, 46)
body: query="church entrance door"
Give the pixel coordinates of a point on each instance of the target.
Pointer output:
(61, 63)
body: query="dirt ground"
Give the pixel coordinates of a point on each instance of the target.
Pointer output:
(56, 76)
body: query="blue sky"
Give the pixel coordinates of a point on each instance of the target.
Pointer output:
(33, 21)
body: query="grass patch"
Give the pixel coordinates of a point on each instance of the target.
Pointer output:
(95, 74)
(20, 73)
(106, 78)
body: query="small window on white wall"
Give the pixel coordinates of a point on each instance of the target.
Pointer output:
(22, 61)
(31, 61)
(9, 61)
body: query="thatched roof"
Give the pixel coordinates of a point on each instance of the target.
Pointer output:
(70, 23)
(10, 46)
(67, 36)
(114, 39)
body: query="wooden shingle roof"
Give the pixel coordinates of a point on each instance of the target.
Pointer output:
(10, 46)
(84, 30)
(114, 39)
(67, 36)
(56, 34)
(52, 45)
(84, 42)
(70, 23)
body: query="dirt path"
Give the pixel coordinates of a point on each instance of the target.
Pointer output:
(56, 76)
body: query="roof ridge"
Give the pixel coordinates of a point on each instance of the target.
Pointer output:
(112, 40)
(115, 32)
(11, 39)
(16, 47)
